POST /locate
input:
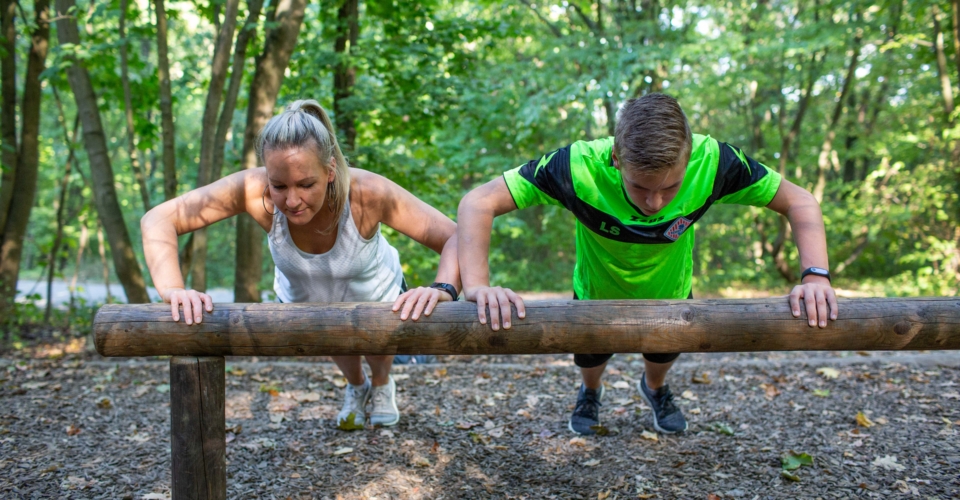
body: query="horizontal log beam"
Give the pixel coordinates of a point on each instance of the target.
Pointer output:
(551, 326)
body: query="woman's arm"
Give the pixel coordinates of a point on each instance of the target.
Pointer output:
(196, 209)
(803, 212)
(382, 200)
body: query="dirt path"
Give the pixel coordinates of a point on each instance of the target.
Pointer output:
(495, 427)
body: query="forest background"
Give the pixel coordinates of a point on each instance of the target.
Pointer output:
(110, 107)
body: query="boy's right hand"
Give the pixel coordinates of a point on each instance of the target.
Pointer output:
(499, 300)
(193, 302)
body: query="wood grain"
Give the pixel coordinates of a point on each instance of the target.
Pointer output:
(551, 326)
(198, 428)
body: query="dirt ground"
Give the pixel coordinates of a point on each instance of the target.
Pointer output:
(875, 424)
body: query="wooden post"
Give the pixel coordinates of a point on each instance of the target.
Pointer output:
(198, 428)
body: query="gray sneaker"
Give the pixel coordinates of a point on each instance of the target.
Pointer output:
(384, 399)
(586, 415)
(667, 418)
(352, 415)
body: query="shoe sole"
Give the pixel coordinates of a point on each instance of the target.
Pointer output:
(395, 410)
(656, 425)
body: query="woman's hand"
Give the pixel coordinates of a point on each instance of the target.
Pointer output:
(819, 299)
(193, 302)
(499, 300)
(420, 299)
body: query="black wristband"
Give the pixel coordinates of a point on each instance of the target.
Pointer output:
(816, 271)
(446, 287)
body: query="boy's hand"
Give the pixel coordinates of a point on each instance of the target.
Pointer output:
(818, 298)
(499, 300)
(417, 300)
(193, 302)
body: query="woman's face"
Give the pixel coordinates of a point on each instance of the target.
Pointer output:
(297, 182)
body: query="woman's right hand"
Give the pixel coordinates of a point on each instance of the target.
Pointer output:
(193, 302)
(499, 300)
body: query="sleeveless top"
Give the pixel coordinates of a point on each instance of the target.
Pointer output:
(354, 270)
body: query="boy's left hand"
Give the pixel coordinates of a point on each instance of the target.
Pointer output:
(819, 299)
(420, 299)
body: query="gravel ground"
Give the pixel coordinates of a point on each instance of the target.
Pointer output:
(875, 424)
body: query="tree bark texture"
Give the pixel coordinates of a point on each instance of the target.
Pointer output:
(27, 158)
(128, 111)
(345, 73)
(208, 133)
(101, 172)
(166, 105)
(946, 89)
(8, 108)
(550, 326)
(267, 78)
(198, 428)
(826, 149)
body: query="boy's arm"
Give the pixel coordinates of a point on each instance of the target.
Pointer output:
(474, 223)
(803, 212)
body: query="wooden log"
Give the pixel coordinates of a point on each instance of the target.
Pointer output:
(551, 326)
(198, 428)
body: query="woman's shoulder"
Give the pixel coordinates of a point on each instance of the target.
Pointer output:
(368, 185)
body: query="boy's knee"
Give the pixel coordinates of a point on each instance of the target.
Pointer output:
(661, 358)
(590, 360)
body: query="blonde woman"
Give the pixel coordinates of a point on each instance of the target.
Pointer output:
(322, 220)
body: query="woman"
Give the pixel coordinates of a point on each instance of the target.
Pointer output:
(323, 224)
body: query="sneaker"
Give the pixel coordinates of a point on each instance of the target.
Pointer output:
(384, 399)
(416, 359)
(667, 418)
(586, 415)
(352, 415)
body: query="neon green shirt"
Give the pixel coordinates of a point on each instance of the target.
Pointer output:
(622, 253)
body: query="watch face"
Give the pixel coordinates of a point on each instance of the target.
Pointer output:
(818, 270)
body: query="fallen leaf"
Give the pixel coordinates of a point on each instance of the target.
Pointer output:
(770, 391)
(650, 436)
(688, 395)
(155, 496)
(466, 425)
(863, 421)
(702, 379)
(421, 462)
(621, 384)
(591, 463)
(721, 428)
(342, 451)
(792, 460)
(307, 397)
(104, 403)
(496, 433)
(712, 496)
(603, 495)
(888, 462)
(295, 476)
(788, 475)
(348, 424)
(646, 496)
(73, 430)
(578, 441)
(163, 388)
(52, 468)
(341, 382)
(828, 372)
(524, 413)
(600, 430)
(823, 393)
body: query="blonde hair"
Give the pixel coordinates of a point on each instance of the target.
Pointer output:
(304, 124)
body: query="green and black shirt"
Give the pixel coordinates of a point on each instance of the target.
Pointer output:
(622, 253)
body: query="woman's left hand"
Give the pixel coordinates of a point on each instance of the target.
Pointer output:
(420, 299)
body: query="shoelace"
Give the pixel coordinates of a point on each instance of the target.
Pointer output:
(585, 408)
(665, 402)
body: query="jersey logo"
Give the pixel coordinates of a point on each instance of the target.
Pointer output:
(677, 228)
(742, 157)
(543, 163)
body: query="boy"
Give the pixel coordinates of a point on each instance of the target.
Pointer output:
(636, 197)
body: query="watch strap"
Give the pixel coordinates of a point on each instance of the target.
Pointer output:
(816, 271)
(447, 288)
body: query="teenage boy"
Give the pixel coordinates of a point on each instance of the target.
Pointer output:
(636, 197)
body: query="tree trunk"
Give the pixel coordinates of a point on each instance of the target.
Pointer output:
(208, 134)
(128, 111)
(101, 172)
(267, 78)
(345, 73)
(236, 78)
(946, 89)
(826, 149)
(61, 206)
(166, 106)
(28, 158)
(8, 108)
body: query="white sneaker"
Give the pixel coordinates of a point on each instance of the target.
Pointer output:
(385, 410)
(352, 415)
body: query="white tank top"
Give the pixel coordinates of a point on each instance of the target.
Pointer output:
(354, 270)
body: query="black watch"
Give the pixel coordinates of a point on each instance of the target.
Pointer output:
(446, 287)
(816, 271)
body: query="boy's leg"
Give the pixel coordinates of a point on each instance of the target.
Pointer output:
(586, 414)
(383, 394)
(667, 417)
(352, 415)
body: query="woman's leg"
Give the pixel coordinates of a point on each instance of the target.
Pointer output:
(351, 367)
(379, 369)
